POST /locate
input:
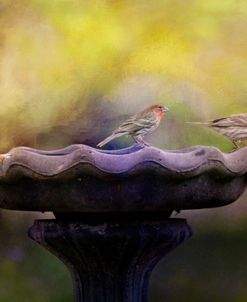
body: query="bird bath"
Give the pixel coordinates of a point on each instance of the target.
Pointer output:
(112, 208)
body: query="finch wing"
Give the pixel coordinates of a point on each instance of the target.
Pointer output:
(238, 120)
(136, 122)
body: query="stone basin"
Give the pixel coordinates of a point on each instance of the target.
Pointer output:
(112, 208)
(82, 179)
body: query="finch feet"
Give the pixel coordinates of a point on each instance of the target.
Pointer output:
(142, 143)
(145, 144)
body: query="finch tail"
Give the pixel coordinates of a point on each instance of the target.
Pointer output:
(108, 139)
(200, 123)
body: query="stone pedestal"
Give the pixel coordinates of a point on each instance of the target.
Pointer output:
(112, 208)
(110, 262)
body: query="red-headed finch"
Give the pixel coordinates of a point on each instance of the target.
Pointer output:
(138, 125)
(233, 127)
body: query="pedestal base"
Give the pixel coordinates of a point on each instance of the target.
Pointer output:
(110, 262)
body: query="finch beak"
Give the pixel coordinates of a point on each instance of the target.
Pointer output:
(165, 109)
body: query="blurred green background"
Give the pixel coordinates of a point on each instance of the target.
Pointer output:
(70, 71)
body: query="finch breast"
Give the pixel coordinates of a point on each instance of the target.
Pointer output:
(234, 133)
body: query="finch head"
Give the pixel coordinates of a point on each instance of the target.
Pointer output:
(159, 110)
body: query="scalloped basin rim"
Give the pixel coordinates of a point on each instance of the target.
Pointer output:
(80, 179)
(183, 163)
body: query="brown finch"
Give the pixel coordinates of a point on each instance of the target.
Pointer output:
(233, 127)
(138, 125)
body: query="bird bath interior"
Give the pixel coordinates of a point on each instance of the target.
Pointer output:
(112, 208)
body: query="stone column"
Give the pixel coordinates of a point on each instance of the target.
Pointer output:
(111, 261)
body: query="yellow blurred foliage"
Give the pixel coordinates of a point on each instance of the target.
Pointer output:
(57, 56)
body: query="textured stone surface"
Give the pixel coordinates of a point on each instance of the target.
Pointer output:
(83, 179)
(110, 262)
